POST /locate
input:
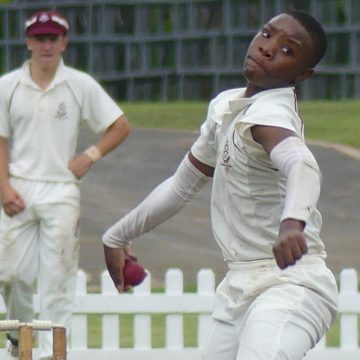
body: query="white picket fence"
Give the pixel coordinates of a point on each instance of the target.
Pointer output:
(174, 303)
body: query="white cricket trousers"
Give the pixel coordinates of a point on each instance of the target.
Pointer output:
(41, 243)
(264, 313)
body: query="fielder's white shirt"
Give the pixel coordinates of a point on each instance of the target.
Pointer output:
(248, 193)
(44, 125)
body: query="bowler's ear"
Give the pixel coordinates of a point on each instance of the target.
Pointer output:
(304, 75)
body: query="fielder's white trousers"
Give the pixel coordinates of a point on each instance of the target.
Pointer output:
(41, 243)
(264, 313)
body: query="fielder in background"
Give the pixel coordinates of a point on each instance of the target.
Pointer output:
(41, 107)
(278, 298)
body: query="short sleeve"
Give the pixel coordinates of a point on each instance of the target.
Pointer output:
(270, 111)
(4, 111)
(98, 109)
(204, 148)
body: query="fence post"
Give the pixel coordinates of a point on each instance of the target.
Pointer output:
(348, 322)
(174, 322)
(142, 322)
(79, 321)
(110, 322)
(205, 286)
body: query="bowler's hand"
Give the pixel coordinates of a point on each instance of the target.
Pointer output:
(80, 165)
(291, 245)
(12, 201)
(115, 261)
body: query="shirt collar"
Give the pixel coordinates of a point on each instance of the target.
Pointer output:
(228, 108)
(59, 77)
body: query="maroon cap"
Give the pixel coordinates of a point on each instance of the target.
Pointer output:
(46, 22)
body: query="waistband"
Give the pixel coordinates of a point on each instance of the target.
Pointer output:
(271, 263)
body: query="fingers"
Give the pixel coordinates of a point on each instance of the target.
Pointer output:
(80, 165)
(14, 206)
(115, 260)
(133, 257)
(119, 281)
(128, 254)
(289, 248)
(19, 202)
(11, 209)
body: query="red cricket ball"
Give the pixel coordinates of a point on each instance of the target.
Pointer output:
(134, 273)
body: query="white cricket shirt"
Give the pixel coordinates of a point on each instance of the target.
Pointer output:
(43, 126)
(248, 193)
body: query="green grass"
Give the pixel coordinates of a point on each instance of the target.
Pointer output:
(334, 121)
(157, 327)
(158, 331)
(175, 115)
(127, 330)
(190, 334)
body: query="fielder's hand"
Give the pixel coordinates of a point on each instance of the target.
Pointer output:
(115, 261)
(80, 165)
(291, 245)
(12, 201)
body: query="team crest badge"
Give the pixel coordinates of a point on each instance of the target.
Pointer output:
(44, 18)
(61, 112)
(225, 158)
